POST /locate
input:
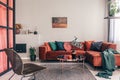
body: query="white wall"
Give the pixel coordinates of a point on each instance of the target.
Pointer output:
(85, 20)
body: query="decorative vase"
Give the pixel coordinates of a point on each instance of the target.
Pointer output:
(33, 57)
(17, 31)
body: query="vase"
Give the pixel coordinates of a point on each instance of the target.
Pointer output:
(17, 31)
(33, 57)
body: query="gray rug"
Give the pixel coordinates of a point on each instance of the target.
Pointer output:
(64, 71)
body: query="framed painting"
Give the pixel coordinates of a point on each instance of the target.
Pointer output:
(59, 22)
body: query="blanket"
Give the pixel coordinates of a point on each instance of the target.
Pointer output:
(108, 63)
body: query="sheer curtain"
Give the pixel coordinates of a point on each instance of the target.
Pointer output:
(115, 29)
(117, 33)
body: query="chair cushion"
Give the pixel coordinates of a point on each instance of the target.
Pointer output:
(30, 68)
(53, 46)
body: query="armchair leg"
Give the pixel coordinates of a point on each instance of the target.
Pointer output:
(11, 76)
(22, 77)
(34, 76)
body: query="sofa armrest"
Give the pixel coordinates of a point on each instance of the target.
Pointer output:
(42, 52)
(107, 45)
(112, 45)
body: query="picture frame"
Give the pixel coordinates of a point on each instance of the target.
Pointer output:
(59, 22)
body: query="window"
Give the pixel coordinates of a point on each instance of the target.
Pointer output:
(7, 39)
(114, 28)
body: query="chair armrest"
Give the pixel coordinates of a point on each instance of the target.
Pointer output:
(42, 52)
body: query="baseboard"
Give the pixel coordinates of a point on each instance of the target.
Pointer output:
(27, 58)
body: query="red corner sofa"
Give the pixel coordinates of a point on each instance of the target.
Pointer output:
(93, 57)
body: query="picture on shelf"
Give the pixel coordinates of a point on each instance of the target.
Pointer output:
(17, 28)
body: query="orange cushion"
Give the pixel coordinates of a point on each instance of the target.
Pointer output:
(88, 44)
(107, 45)
(48, 47)
(67, 46)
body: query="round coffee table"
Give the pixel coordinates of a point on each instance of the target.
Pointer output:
(68, 58)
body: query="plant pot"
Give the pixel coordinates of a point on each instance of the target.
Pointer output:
(33, 57)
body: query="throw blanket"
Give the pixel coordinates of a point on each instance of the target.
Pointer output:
(108, 63)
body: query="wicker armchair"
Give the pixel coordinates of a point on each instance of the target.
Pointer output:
(26, 70)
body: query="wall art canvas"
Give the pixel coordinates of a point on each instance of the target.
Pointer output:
(59, 22)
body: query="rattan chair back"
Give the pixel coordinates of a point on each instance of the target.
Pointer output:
(15, 61)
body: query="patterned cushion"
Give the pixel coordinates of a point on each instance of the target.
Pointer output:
(88, 44)
(67, 46)
(77, 48)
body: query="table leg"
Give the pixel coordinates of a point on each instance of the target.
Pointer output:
(83, 63)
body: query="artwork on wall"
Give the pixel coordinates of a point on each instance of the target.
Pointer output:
(59, 22)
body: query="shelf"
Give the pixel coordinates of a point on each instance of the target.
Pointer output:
(112, 17)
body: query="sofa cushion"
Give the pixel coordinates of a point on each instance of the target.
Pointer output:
(52, 55)
(53, 46)
(94, 53)
(67, 46)
(80, 52)
(77, 48)
(48, 46)
(96, 46)
(94, 58)
(88, 45)
(106, 45)
(60, 45)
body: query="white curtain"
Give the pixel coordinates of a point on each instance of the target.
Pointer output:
(117, 33)
(114, 34)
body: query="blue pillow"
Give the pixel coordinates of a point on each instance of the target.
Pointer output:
(53, 46)
(60, 45)
(96, 46)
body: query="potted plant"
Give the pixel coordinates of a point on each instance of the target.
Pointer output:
(114, 8)
(32, 51)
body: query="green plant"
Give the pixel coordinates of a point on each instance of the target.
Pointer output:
(114, 8)
(32, 50)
